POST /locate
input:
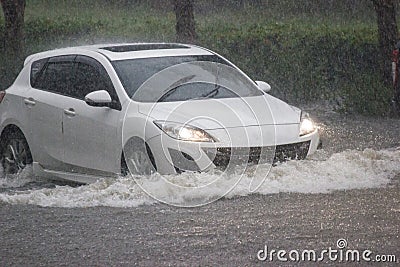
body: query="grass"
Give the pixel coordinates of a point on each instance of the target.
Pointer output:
(321, 50)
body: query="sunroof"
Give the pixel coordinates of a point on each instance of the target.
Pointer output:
(141, 47)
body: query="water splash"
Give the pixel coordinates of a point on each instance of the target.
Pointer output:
(16, 180)
(321, 173)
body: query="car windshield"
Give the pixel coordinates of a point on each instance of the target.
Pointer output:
(181, 78)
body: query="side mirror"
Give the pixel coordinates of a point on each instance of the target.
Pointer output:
(98, 99)
(263, 86)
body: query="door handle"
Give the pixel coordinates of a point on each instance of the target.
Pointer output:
(69, 112)
(29, 101)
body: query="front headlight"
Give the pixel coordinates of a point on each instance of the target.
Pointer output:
(184, 132)
(306, 124)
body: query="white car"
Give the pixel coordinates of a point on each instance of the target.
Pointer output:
(81, 113)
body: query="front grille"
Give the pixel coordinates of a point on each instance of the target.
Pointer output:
(291, 151)
(223, 156)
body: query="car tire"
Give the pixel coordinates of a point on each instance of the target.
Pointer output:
(15, 154)
(124, 166)
(137, 159)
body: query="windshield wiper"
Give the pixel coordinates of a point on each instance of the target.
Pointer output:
(173, 87)
(212, 93)
(167, 94)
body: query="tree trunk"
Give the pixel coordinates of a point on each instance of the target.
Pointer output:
(13, 41)
(185, 25)
(388, 37)
(14, 27)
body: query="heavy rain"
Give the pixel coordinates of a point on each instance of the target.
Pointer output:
(337, 60)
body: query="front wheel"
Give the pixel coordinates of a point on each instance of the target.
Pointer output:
(138, 159)
(15, 154)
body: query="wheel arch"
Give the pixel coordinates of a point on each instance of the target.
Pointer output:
(11, 129)
(14, 123)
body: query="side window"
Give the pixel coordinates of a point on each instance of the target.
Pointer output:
(87, 79)
(57, 76)
(73, 76)
(36, 68)
(91, 76)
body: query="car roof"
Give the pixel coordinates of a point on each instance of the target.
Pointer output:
(124, 51)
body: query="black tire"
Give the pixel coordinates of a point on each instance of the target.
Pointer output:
(15, 154)
(124, 167)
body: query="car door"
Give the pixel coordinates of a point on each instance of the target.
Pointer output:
(91, 139)
(46, 102)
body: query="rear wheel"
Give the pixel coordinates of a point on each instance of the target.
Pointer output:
(15, 153)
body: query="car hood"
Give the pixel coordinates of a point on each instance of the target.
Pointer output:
(224, 113)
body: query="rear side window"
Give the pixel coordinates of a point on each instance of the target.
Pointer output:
(36, 68)
(56, 76)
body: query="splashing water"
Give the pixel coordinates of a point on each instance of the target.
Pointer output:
(350, 169)
(16, 180)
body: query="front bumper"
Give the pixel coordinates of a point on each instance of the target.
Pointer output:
(174, 156)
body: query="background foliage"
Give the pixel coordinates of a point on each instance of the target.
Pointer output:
(309, 50)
